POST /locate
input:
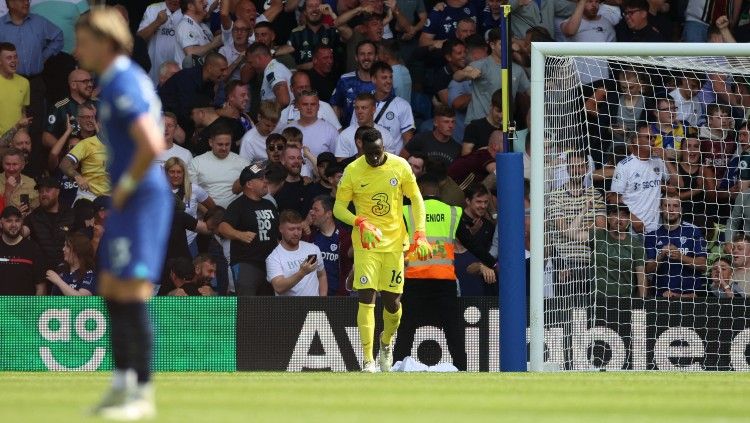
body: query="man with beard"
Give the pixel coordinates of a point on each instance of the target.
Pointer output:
(251, 224)
(192, 279)
(676, 253)
(354, 83)
(15, 188)
(295, 268)
(205, 273)
(81, 86)
(50, 222)
(21, 262)
(334, 241)
(304, 39)
(292, 193)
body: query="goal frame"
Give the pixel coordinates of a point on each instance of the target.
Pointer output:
(539, 52)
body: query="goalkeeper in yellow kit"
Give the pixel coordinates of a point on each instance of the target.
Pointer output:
(377, 182)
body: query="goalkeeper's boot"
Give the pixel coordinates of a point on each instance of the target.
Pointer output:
(385, 357)
(370, 367)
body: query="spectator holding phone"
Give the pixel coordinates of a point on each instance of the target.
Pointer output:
(16, 188)
(295, 268)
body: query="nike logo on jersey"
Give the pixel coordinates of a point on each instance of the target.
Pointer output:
(364, 185)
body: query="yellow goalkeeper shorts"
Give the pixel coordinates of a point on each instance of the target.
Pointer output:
(379, 271)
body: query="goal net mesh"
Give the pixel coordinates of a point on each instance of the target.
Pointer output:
(646, 264)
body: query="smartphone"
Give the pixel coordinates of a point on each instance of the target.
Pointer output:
(312, 258)
(25, 199)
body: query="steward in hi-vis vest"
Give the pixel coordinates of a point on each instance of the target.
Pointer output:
(430, 288)
(441, 223)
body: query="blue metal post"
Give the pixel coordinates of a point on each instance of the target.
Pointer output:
(511, 262)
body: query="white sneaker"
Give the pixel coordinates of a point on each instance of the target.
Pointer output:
(130, 411)
(385, 357)
(139, 405)
(370, 367)
(112, 399)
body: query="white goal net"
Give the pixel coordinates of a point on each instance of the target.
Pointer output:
(644, 258)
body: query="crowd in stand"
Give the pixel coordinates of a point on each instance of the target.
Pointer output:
(263, 104)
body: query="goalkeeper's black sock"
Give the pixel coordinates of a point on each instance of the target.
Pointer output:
(141, 340)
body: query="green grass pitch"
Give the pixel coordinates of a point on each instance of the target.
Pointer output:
(415, 397)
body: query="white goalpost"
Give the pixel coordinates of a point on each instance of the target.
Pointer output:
(581, 316)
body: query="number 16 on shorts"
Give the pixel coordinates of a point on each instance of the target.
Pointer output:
(379, 271)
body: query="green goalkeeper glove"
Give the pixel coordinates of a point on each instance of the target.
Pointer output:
(421, 246)
(369, 235)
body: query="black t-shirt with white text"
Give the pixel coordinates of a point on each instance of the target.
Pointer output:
(260, 217)
(427, 144)
(22, 267)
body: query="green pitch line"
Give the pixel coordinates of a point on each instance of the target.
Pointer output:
(413, 398)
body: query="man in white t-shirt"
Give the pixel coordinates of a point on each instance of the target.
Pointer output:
(218, 170)
(194, 38)
(276, 77)
(317, 134)
(173, 150)
(235, 49)
(295, 268)
(300, 83)
(158, 27)
(591, 22)
(364, 112)
(253, 143)
(391, 112)
(637, 182)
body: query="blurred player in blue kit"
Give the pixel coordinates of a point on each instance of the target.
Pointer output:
(136, 231)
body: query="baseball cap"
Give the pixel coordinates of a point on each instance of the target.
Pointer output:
(255, 170)
(47, 182)
(10, 211)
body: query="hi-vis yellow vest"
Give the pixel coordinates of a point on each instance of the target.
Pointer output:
(441, 223)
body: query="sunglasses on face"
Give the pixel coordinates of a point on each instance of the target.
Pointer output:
(276, 147)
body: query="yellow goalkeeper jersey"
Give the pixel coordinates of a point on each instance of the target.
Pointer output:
(378, 194)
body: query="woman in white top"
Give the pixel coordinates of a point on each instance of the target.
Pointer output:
(191, 195)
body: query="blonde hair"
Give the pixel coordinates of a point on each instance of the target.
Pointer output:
(108, 22)
(269, 110)
(186, 184)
